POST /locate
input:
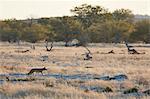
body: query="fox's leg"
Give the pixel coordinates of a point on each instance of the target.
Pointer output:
(33, 73)
(30, 72)
(41, 72)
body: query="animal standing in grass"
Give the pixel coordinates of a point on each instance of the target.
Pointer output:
(37, 70)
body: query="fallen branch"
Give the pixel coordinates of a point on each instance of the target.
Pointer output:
(110, 52)
(22, 51)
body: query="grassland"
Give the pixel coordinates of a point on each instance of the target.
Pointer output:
(67, 72)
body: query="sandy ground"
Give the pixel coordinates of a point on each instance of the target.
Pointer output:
(70, 61)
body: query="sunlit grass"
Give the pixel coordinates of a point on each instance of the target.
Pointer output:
(69, 61)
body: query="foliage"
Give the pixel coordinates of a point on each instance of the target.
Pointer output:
(123, 14)
(107, 31)
(88, 14)
(142, 31)
(89, 24)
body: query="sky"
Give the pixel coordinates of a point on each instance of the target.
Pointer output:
(23, 9)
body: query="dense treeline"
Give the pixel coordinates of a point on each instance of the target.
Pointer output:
(88, 24)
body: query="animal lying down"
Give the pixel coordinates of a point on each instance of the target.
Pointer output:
(37, 70)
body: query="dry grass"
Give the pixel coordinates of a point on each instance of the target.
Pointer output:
(69, 61)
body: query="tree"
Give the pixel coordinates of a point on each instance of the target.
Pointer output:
(10, 30)
(44, 21)
(123, 14)
(126, 16)
(66, 28)
(88, 14)
(34, 33)
(89, 24)
(72, 29)
(142, 31)
(106, 31)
